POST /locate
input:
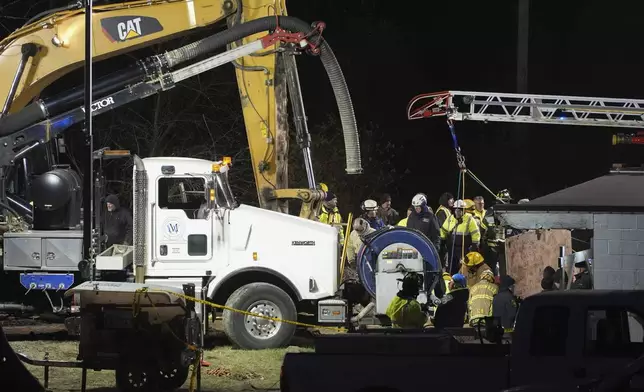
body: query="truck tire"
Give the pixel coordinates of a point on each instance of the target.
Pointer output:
(173, 379)
(137, 375)
(255, 333)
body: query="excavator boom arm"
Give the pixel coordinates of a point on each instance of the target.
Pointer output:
(41, 52)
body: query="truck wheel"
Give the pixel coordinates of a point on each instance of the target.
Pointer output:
(137, 375)
(255, 333)
(171, 379)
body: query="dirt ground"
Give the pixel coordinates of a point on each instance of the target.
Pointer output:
(230, 369)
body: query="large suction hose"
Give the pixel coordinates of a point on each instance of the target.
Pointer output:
(42, 109)
(336, 77)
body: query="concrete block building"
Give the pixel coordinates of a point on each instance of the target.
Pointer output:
(612, 206)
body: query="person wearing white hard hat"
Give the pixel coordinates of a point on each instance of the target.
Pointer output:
(461, 234)
(370, 214)
(424, 220)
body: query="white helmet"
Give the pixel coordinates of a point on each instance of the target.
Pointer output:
(419, 200)
(369, 205)
(459, 204)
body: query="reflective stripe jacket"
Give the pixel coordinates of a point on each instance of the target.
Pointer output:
(481, 299)
(454, 231)
(479, 217)
(442, 213)
(406, 313)
(332, 218)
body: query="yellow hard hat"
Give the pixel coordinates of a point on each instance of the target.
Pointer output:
(469, 204)
(473, 259)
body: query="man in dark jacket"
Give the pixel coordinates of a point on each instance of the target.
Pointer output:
(452, 313)
(117, 225)
(582, 280)
(504, 305)
(423, 220)
(388, 215)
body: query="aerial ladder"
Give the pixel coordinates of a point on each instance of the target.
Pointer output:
(528, 109)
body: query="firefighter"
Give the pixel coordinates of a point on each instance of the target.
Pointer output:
(405, 311)
(370, 214)
(582, 281)
(117, 225)
(452, 313)
(403, 222)
(386, 213)
(473, 267)
(460, 234)
(479, 213)
(481, 298)
(423, 220)
(361, 228)
(505, 306)
(495, 234)
(330, 214)
(444, 211)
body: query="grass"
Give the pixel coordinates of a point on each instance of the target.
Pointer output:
(230, 369)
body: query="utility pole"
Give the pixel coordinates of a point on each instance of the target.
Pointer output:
(523, 42)
(87, 160)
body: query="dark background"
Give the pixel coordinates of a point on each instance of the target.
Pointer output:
(392, 51)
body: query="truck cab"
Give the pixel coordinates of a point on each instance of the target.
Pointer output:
(195, 232)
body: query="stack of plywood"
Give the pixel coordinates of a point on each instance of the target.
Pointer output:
(527, 254)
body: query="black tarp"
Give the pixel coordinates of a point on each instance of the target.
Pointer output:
(615, 192)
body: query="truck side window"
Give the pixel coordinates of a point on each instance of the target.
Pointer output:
(613, 331)
(182, 193)
(549, 331)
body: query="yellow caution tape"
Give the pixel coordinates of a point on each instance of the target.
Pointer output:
(223, 307)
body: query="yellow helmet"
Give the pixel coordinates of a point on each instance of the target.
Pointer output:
(469, 204)
(473, 259)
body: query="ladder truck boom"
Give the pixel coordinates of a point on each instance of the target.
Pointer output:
(528, 108)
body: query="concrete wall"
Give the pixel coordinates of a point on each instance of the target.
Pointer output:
(618, 250)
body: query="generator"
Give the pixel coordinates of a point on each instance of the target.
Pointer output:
(149, 335)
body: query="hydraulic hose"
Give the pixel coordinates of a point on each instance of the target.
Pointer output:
(43, 108)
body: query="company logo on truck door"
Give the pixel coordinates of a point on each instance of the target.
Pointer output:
(125, 28)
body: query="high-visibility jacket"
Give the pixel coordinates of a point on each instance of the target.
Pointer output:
(332, 218)
(461, 234)
(481, 299)
(479, 217)
(442, 213)
(403, 222)
(406, 313)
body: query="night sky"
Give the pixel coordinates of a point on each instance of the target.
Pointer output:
(392, 51)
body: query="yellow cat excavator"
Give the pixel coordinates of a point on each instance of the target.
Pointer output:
(51, 45)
